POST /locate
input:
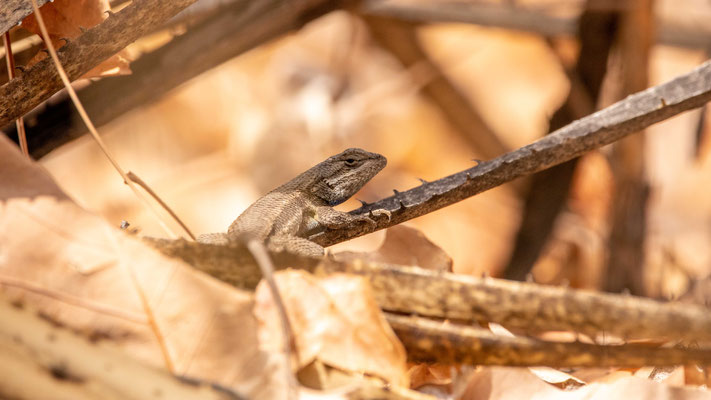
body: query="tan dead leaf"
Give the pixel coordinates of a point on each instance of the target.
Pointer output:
(502, 383)
(405, 246)
(551, 375)
(425, 374)
(335, 320)
(64, 20)
(46, 360)
(20, 178)
(81, 272)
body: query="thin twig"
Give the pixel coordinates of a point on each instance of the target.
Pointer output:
(92, 129)
(160, 201)
(10, 62)
(261, 256)
(144, 300)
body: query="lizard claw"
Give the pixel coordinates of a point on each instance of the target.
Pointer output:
(380, 212)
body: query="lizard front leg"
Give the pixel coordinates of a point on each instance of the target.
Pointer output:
(334, 219)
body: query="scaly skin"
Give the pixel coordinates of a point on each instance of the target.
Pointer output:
(282, 217)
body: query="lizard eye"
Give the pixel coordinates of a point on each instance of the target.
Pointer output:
(351, 162)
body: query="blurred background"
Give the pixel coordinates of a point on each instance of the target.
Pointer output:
(434, 86)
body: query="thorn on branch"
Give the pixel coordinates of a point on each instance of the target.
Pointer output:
(397, 193)
(422, 180)
(363, 203)
(109, 13)
(82, 29)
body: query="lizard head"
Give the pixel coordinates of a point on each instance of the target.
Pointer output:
(342, 175)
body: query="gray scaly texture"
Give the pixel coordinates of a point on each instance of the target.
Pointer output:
(282, 217)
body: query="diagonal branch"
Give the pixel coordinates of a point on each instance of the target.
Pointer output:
(14, 11)
(40, 81)
(634, 113)
(230, 30)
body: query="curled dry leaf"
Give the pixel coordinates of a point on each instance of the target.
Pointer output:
(404, 245)
(336, 321)
(65, 19)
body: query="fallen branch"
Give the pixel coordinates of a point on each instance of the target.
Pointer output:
(632, 114)
(446, 343)
(468, 300)
(516, 305)
(12, 12)
(230, 31)
(40, 81)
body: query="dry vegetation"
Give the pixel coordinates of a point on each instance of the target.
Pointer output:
(606, 218)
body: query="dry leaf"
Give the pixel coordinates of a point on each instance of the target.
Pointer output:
(48, 360)
(80, 272)
(424, 374)
(99, 281)
(65, 19)
(501, 383)
(404, 245)
(20, 178)
(335, 320)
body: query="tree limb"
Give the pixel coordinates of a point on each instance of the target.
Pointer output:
(429, 341)
(40, 81)
(12, 12)
(467, 299)
(228, 32)
(632, 114)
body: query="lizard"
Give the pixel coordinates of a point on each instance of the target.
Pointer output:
(281, 218)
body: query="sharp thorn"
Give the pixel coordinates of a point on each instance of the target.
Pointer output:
(397, 193)
(110, 13)
(363, 203)
(402, 205)
(422, 180)
(82, 29)
(477, 161)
